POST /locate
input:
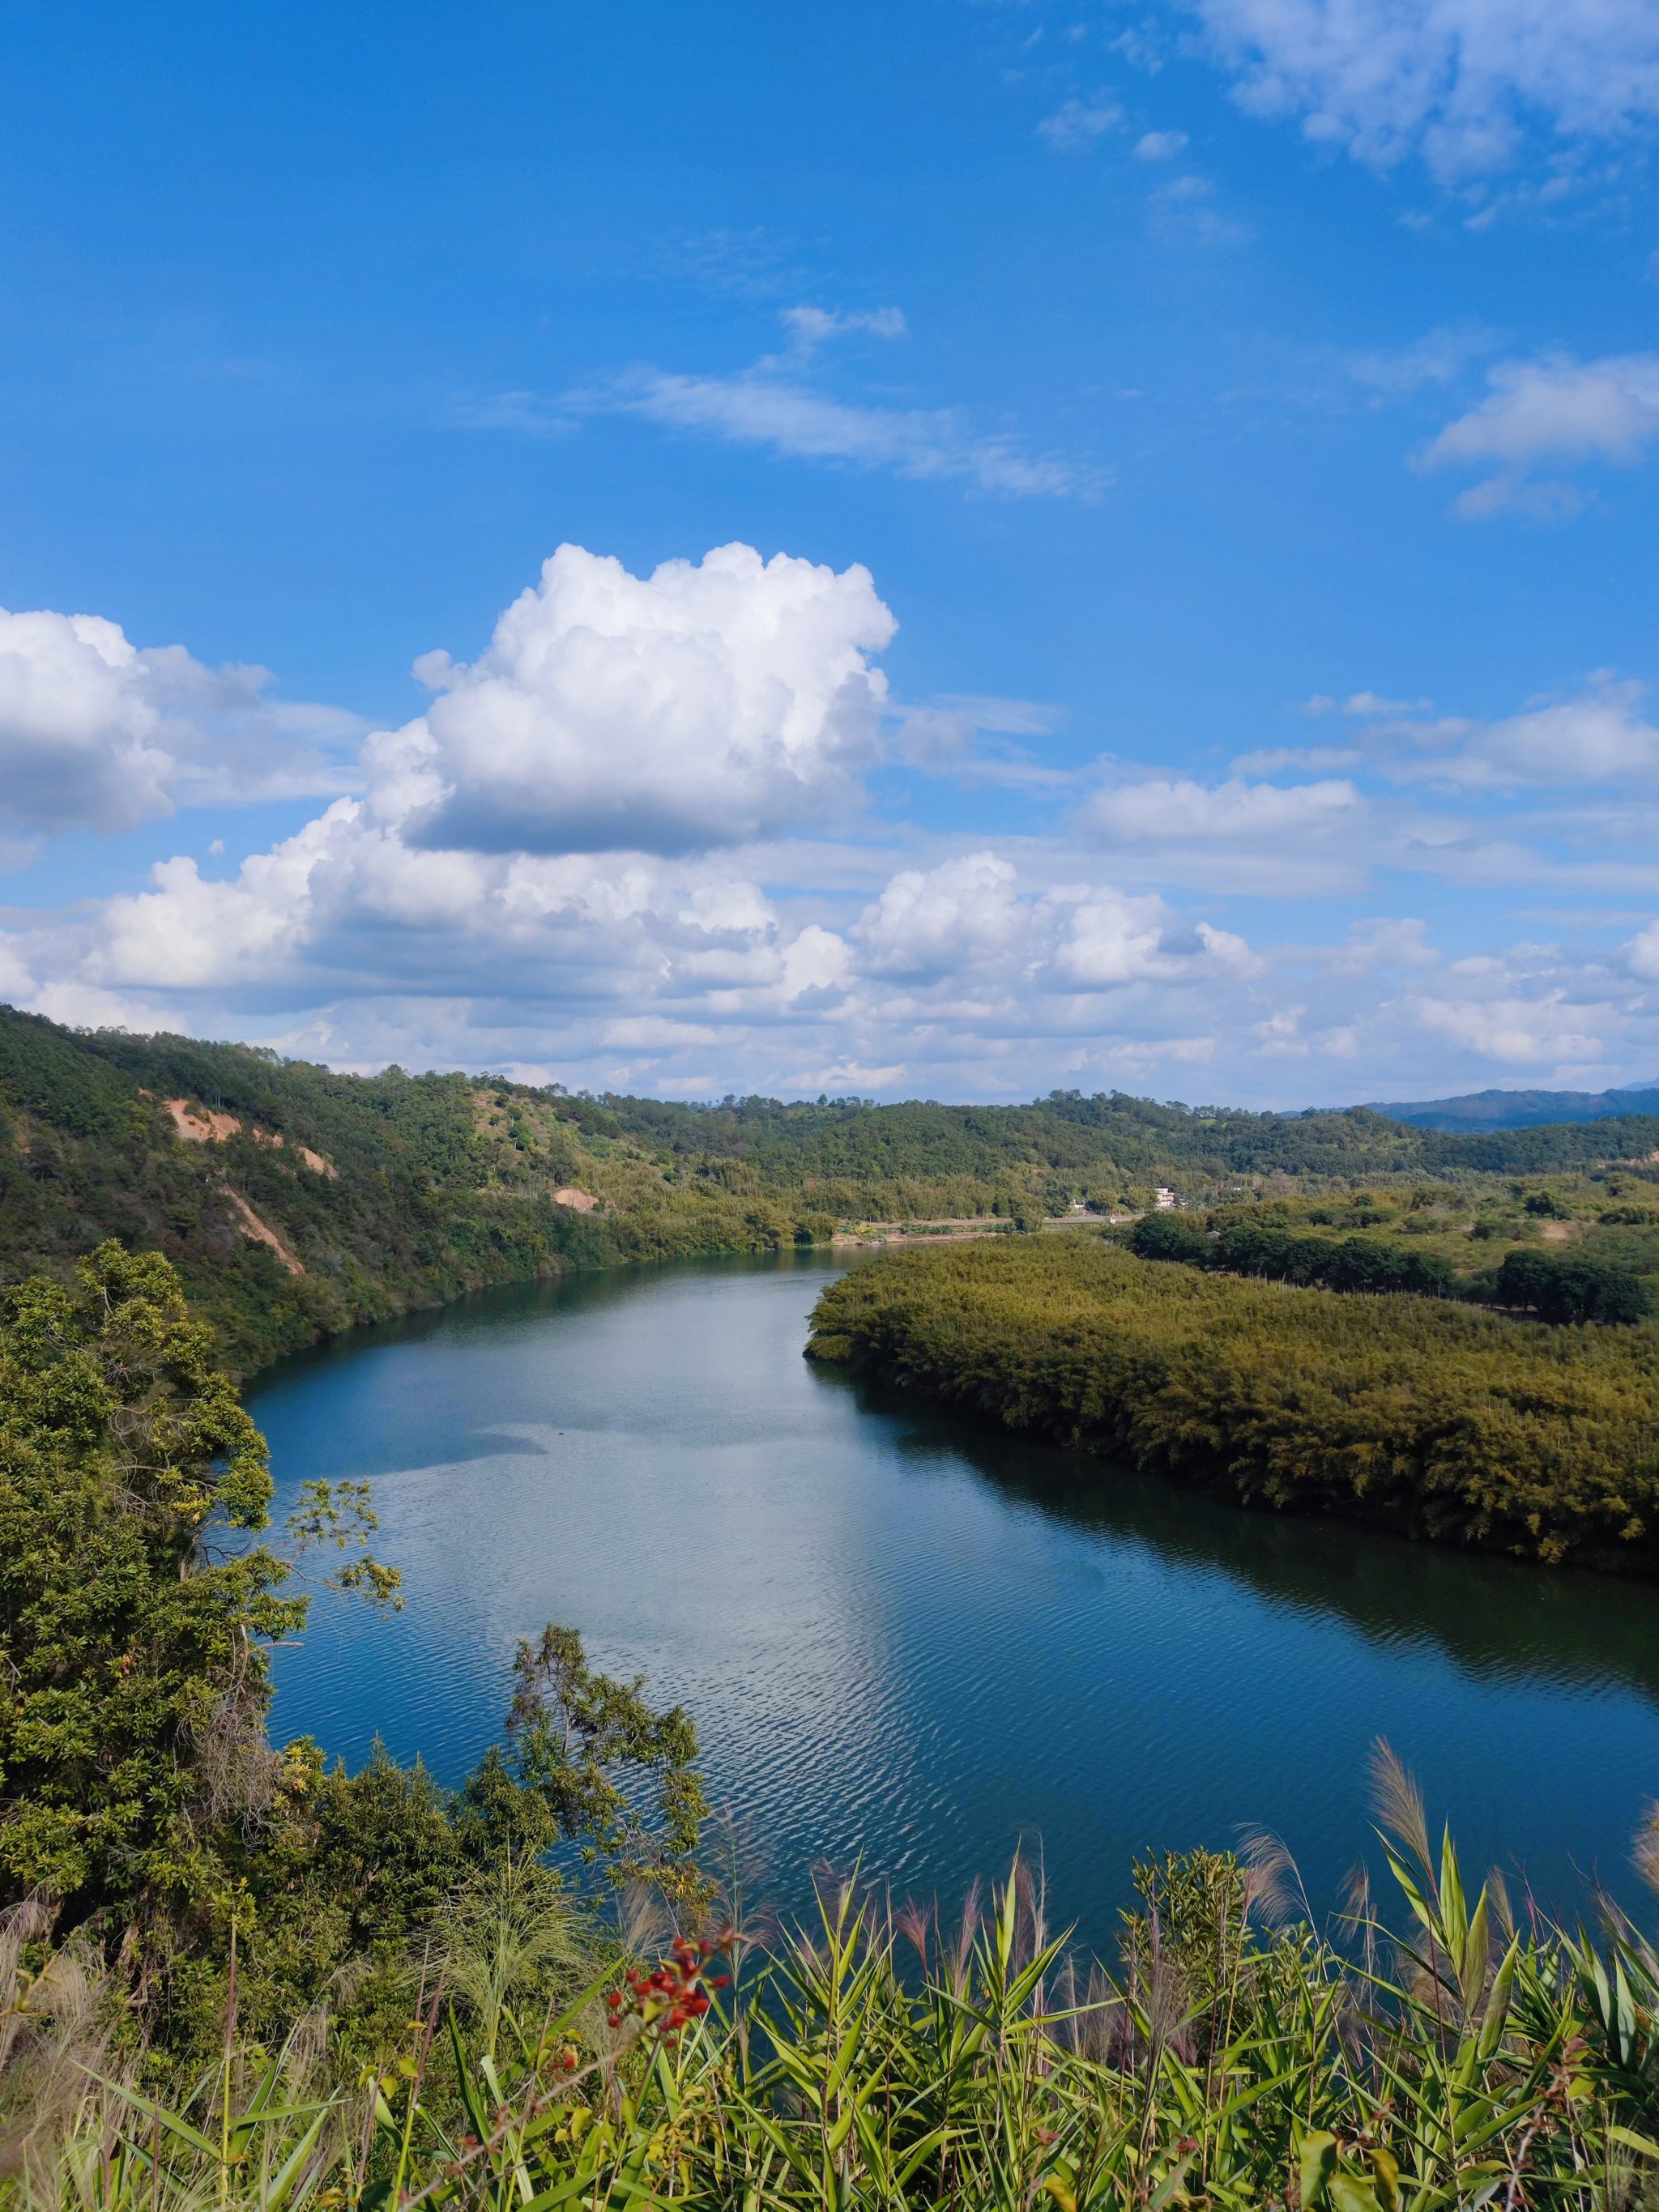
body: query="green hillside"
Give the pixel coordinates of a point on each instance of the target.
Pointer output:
(296, 1201)
(311, 1201)
(1525, 1110)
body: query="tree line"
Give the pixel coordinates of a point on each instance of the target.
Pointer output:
(1559, 1287)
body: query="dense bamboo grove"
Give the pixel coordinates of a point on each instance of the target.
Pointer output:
(1445, 1423)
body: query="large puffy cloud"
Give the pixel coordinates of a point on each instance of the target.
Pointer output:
(347, 908)
(965, 977)
(1461, 81)
(706, 704)
(1545, 1031)
(930, 922)
(626, 964)
(965, 924)
(98, 733)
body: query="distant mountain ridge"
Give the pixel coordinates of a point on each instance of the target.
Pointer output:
(1523, 1110)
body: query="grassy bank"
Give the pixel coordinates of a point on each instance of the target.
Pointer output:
(1443, 1422)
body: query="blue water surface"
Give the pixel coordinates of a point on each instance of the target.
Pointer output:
(910, 1642)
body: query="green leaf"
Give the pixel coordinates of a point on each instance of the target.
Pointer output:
(1318, 2164)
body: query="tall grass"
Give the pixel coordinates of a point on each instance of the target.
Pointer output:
(1449, 2055)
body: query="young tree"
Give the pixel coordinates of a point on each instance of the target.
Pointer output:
(580, 1740)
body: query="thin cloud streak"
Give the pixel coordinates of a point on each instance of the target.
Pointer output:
(772, 405)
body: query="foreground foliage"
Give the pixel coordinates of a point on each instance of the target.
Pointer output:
(233, 1980)
(143, 1810)
(1238, 2058)
(1443, 1422)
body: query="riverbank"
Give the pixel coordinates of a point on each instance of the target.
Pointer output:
(1441, 1423)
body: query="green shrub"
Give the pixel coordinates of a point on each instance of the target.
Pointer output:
(1287, 1255)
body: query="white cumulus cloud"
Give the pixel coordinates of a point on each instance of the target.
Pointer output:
(936, 922)
(1514, 1032)
(706, 704)
(346, 910)
(587, 857)
(966, 924)
(98, 733)
(1553, 410)
(1642, 953)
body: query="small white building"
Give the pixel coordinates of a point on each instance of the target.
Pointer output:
(1165, 1200)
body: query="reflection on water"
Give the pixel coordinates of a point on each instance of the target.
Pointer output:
(1497, 1617)
(910, 1641)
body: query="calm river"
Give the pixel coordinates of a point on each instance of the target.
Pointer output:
(908, 1640)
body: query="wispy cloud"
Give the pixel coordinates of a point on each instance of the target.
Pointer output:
(1183, 212)
(942, 737)
(1553, 409)
(758, 408)
(1599, 736)
(810, 327)
(1439, 357)
(1080, 124)
(774, 405)
(1462, 83)
(1312, 760)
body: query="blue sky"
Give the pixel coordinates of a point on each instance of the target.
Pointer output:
(1180, 483)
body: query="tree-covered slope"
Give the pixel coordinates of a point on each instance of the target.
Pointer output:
(1104, 1141)
(296, 1201)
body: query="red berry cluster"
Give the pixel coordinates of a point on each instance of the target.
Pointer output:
(676, 1992)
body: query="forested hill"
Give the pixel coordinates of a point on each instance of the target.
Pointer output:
(1095, 1138)
(296, 1201)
